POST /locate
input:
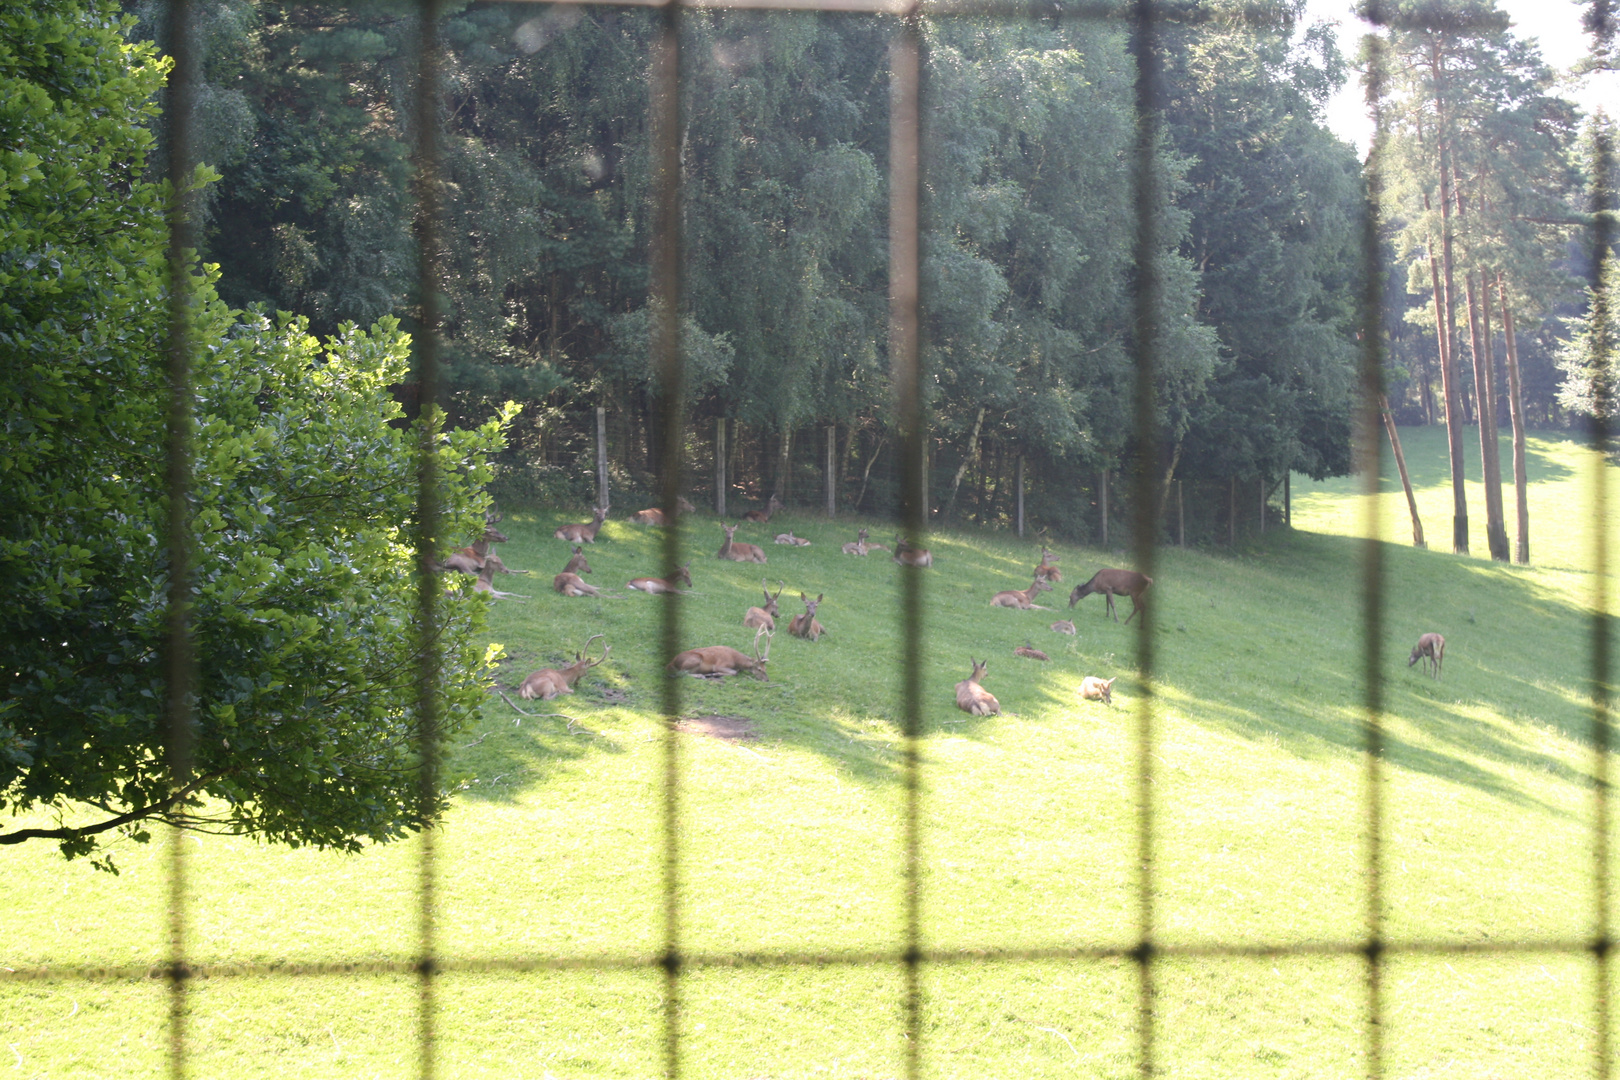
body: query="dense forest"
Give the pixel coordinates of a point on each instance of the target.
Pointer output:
(1028, 257)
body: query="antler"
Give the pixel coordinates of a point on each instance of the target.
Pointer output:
(605, 650)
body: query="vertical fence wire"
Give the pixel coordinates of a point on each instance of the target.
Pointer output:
(908, 66)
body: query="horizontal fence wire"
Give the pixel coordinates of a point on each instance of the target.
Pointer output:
(907, 212)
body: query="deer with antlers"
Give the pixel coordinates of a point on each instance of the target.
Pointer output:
(655, 586)
(758, 618)
(973, 698)
(737, 552)
(1113, 583)
(547, 683)
(908, 554)
(760, 517)
(724, 660)
(1022, 599)
(586, 533)
(806, 626)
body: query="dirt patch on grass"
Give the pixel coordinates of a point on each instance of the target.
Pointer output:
(718, 727)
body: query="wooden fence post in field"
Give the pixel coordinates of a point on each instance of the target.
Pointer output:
(601, 457)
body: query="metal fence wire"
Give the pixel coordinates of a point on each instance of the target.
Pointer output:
(1145, 20)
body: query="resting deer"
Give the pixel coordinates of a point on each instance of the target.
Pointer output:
(486, 577)
(547, 683)
(724, 660)
(907, 554)
(789, 538)
(1095, 689)
(973, 698)
(577, 564)
(806, 625)
(760, 517)
(1030, 652)
(655, 516)
(1431, 649)
(574, 585)
(654, 586)
(858, 546)
(758, 618)
(1022, 599)
(480, 547)
(739, 552)
(494, 560)
(1047, 570)
(584, 534)
(1063, 626)
(461, 562)
(1113, 583)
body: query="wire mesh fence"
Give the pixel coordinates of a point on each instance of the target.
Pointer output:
(902, 489)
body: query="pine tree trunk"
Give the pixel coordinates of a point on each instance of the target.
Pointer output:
(968, 458)
(1400, 463)
(783, 460)
(1445, 293)
(1490, 458)
(1516, 410)
(1020, 495)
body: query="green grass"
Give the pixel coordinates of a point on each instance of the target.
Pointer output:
(790, 843)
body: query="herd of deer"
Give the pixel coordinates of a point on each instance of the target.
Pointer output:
(722, 660)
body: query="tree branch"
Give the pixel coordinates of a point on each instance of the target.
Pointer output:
(155, 810)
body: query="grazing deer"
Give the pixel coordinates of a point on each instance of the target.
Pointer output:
(485, 582)
(724, 660)
(806, 625)
(1095, 689)
(577, 564)
(789, 538)
(973, 698)
(653, 586)
(574, 585)
(1063, 626)
(1030, 652)
(1113, 583)
(547, 683)
(1022, 599)
(765, 617)
(858, 546)
(908, 555)
(1047, 570)
(760, 517)
(1431, 649)
(739, 552)
(584, 534)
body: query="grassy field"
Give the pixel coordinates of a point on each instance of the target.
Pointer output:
(790, 840)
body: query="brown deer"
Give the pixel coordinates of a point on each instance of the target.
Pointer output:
(1113, 583)
(907, 554)
(654, 586)
(1095, 689)
(1431, 649)
(485, 582)
(760, 517)
(547, 683)
(462, 562)
(1022, 599)
(973, 698)
(765, 617)
(494, 560)
(739, 552)
(1063, 626)
(574, 585)
(492, 535)
(1030, 652)
(584, 534)
(789, 538)
(806, 625)
(1047, 570)
(577, 564)
(656, 516)
(858, 546)
(724, 660)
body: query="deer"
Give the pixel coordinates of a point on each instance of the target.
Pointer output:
(655, 516)
(806, 625)
(462, 562)
(584, 534)
(1113, 583)
(907, 554)
(494, 560)
(654, 586)
(973, 698)
(479, 549)
(764, 617)
(1030, 652)
(789, 538)
(739, 552)
(573, 585)
(1063, 626)
(760, 517)
(1431, 649)
(724, 660)
(858, 546)
(1047, 570)
(547, 683)
(577, 564)
(485, 582)
(1023, 599)
(1095, 689)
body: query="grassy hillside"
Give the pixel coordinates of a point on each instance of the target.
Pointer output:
(790, 840)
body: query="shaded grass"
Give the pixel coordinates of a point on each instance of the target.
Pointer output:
(791, 842)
